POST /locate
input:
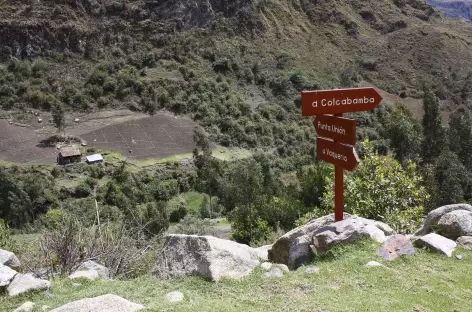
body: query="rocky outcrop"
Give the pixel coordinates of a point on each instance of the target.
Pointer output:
(396, 245)
(293, 248)
(455, 224)
(23, 283)
(301, 245)
(9, 259)
(437, 243)
(6, 275)
(105, 303)
(430, 224)
(206, 256)
(346, 231)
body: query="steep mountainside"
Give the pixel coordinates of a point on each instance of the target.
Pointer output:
(212, 58)
(455, 8)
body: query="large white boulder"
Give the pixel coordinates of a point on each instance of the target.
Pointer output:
(9, 259)
(105, 303)
(6, 275)
(299, 246)
(205, 256)
(345, 231)
(22, 283)
(437, 243)
(433, 217)
(455, 224)
(293, 248)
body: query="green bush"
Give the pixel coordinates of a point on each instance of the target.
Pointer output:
(177, 209)
(53, 219)
(382, 190)
(191, 225)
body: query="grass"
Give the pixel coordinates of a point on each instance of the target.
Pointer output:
(423, 282)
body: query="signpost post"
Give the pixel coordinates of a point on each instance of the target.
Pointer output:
(337, 135)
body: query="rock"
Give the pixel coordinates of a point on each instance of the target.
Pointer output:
(175, 296)
(266, 266)
(89, 274)
(455, 224)
(45, 308)
(396, 245)
(102, 271)
(375, 233)
(345, 231)
(105, 303)
(40, 120)
(433, 217)
(25, 307)
(373, 264)
(275, 272)
(465, 242)
(206, 256)
(460, 257)
(22, 283)
(437, 243)
(76, 120)
(9, 259)
(283, 267)
(312, 270)
(76, 284)
(380, 225)
(293, 248)
(264, 252)
(6, 275)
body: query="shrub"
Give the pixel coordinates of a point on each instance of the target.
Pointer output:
(177, 209)
(123, 249)
(53, 219)
(191, 225)
(382, 190)
(6, 242)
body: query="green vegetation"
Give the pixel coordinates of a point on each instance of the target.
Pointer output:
(381, 189)
(422, 282)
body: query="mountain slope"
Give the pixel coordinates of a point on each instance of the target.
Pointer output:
(455, 8)
(212, 59)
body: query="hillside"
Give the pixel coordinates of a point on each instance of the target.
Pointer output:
(454, 8)
(394, 46)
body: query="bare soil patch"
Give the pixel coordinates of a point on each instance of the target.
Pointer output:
(158, 136)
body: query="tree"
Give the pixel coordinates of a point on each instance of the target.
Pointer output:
(404, 133)
(208, 169)
(451, 177)
(460, 136)
(433, 131)
(58, 117)
(381, 189)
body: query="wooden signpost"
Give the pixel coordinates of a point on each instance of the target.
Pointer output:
(337, 135)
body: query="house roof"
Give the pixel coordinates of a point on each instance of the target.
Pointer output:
(94, 157)
(70, 153)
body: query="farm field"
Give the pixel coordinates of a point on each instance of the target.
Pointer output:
(136, 137)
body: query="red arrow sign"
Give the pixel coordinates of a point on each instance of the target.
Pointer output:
(344, 156)
(339, 101)
(342, 130)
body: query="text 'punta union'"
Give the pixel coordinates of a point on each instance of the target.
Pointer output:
(332, 128)
(345, 101)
